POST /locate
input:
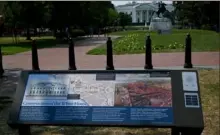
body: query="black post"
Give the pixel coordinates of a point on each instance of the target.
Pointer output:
(35, 64)
(188, 52)
(174, 131)
(24, 130)
(148, 54)
(110, 65)
(72, 65)
(1, 34)
(1, 64)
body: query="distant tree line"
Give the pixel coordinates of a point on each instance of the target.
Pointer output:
(198, 14)
(58, 16)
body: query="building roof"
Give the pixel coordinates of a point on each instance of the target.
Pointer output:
(151, 6)
(128, 4)
(148, 6)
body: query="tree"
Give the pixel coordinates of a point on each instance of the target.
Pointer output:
(99, 11)
(112, 16)
(2, 4)
(124, 19)
(33, 15)
(58, 15)
(197, 13)
(11, 12)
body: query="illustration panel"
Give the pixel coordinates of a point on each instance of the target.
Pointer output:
(126, 90)
(97, 98)
(149, 92)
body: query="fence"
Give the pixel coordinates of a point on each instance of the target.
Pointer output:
(109, 64)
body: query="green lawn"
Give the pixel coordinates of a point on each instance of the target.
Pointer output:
(133, 42)
(9, 45)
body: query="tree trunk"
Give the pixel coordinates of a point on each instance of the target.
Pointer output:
(1, 64)
(14, 30)
(28, 33)
(35, 31)
(55, 33)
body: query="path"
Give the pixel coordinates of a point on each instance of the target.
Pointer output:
(57, 58)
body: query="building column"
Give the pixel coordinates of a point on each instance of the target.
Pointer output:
(147, 14)
(134, 19)
(141, 16)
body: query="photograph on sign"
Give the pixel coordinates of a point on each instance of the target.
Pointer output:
(144, 93)
(189, 81)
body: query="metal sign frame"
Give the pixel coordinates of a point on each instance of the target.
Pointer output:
(185, 120)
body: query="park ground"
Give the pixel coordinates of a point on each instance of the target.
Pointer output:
(205, 45)
(209, 87)
(90, 54)
(133, 42)
(130, 42)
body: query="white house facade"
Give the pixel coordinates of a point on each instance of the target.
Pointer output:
(141, 12)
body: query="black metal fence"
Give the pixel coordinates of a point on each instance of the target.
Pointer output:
(109, 64)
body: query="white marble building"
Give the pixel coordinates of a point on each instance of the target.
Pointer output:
(141, 12)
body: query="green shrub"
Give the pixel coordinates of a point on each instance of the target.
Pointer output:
(137, 28)
(77, 32)
(60, 35)
(206, 27)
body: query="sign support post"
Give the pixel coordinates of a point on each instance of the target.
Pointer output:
(24, 130)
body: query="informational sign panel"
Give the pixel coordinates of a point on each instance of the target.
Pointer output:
(98, 98)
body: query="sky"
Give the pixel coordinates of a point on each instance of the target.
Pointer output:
(116, 3)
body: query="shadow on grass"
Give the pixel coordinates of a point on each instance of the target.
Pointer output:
(8, 84)
(9, 47)
(87, 41)
(12, 48)
(97, 131)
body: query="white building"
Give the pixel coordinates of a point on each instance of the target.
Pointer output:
(141, 12)
(48, 89)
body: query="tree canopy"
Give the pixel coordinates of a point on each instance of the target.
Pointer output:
(57, 15)
(197, 13)
(80, 14)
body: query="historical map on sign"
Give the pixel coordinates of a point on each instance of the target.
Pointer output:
(87, 90)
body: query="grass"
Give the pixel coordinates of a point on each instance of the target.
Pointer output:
(133, 42)
(209, 88)
(210, 91)
(10, 47)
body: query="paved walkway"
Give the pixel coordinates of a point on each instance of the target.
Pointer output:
(57, 58)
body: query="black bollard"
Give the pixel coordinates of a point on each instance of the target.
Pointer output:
(110, 65)
(174, 131)
(35, 64)
(72, 65)
(148, 54)
(24, 130)
(1, 64)
(1, 34)
(188, 52)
